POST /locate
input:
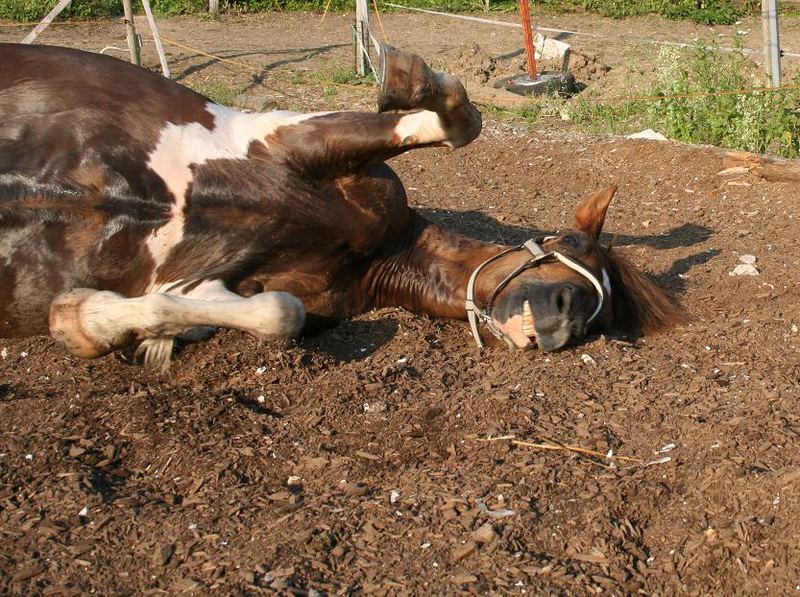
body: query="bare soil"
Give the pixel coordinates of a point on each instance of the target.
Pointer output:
(358, 460)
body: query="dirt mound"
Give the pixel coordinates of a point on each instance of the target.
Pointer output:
(474, 64)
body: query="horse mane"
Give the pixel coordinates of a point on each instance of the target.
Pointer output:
(640, 305)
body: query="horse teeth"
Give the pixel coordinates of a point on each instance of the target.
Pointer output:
(527, 320)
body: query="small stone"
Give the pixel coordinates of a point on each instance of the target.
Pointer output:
(355, 489)
(588, 360)
(464, 579)
(484, 533)
(163, 553)
(463, 551)
(748, 259)
(744, 269)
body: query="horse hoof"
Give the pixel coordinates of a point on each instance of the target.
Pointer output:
(74, 324)
(406, 81)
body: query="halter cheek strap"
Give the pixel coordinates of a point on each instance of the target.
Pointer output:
(475, 314)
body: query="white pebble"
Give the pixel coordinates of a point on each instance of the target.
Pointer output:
(743, 269)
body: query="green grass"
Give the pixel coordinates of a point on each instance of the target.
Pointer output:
(218, 92)
(761, 121)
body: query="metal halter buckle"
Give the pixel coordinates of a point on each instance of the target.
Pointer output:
(475, 314)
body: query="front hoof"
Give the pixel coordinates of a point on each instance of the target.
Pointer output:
(406, 81)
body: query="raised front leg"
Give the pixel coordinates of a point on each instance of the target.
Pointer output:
(417, 108)
(91, 323)
(447, 116)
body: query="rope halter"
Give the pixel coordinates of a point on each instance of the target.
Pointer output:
(475, 314)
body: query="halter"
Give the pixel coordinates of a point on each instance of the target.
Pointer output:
(475, 314)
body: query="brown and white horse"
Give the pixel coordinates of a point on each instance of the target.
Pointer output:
(135, 216)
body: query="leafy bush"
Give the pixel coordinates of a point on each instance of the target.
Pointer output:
(711, 12)
(34, 10)
(760, 121)
(701, 11)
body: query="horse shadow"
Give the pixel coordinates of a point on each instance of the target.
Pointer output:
(353, 340)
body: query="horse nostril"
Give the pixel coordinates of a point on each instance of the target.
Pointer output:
(564, 298)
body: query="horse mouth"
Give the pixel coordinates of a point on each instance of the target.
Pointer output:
(521, 329)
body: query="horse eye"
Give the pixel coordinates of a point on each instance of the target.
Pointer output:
(570, 241)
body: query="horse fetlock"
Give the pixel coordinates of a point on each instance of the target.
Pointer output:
(82, 321)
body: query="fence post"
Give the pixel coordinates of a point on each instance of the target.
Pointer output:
(133, 41)
(772, 44)
(162, 57)
(45, 22)
(213, 7)
(362, 30)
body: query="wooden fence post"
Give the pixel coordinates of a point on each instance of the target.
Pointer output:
(213, 7)
(45, 21)
(133, 41)
(156, 38)
(362, 30)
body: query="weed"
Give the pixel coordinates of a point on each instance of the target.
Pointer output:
(705, 11)
(218, 92)
(762, 121)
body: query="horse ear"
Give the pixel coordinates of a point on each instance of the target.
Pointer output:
(591, 213)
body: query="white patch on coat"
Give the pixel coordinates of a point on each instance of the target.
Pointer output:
(182, 146)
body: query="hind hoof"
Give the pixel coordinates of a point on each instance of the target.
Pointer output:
(70, 325)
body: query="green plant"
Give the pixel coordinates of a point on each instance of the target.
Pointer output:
(707, 97)
(218, 92)
(701, 11)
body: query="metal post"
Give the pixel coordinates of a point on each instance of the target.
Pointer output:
(527, 35)
(362, 30)
(133, 42)
(772, 44)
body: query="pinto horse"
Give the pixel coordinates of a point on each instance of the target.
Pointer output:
(132, 217)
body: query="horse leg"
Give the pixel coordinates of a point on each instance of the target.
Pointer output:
(417, 108)
(446, 117)
(91, 323)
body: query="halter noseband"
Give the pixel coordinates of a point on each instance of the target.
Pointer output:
(475, 314)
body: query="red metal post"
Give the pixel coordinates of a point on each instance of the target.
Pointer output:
(525, 17)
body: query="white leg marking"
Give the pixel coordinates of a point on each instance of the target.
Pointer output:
(182, 146)
(422, 128)
(91, 322)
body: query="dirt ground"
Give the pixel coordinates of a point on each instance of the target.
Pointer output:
(358, 460)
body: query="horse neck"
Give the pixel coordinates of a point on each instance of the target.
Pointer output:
(428, 272)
